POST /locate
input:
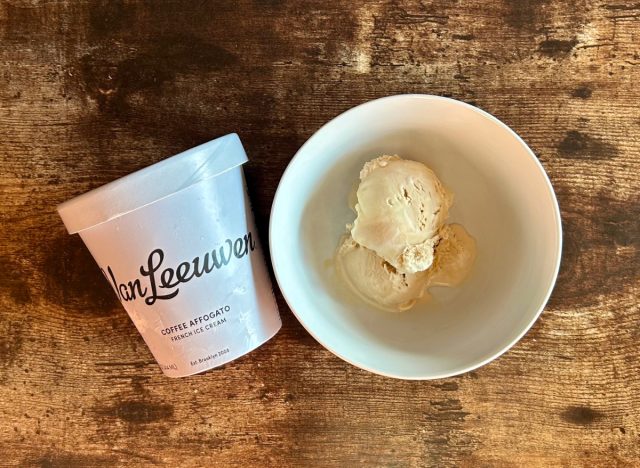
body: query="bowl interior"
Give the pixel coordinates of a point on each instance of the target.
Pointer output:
(502, 197)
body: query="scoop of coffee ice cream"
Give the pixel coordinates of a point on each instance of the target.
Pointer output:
(454, 256)
(375, 280)
(401, 207)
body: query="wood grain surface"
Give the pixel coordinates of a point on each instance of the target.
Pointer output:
(90, 91)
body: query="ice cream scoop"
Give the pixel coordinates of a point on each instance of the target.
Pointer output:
(375, 280)
(454, 256)
(401, 206)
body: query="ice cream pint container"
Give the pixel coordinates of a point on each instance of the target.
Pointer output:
(178, 244)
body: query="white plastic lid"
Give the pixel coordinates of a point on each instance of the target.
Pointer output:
(152, 183)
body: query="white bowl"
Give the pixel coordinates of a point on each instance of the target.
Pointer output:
(502, 196)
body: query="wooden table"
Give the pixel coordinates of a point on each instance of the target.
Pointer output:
(90, 91)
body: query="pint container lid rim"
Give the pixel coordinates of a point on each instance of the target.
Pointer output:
(152, 183)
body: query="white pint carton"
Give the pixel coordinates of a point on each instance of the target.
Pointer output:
(178, 244)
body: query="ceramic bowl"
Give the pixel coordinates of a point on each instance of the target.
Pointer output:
(503, 197)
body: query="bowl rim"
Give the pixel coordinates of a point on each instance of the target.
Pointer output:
(557, 217)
